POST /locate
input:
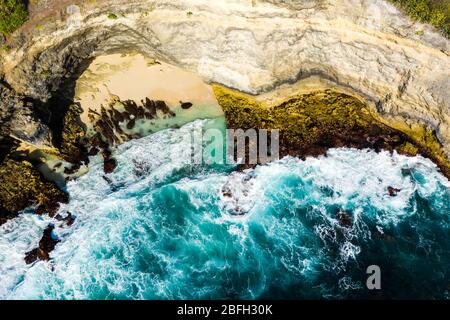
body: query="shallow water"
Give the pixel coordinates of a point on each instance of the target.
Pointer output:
(161, 228)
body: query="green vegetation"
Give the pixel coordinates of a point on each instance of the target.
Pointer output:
(434, 12)
(189, 13)
(13, 14)
(112, 16)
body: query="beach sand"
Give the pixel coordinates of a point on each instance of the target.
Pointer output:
(135, 77)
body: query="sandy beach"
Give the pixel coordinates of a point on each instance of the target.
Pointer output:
(135, 77)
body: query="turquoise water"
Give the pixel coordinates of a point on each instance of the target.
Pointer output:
(161, 228)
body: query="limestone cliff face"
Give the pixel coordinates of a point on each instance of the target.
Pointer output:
(367, 46)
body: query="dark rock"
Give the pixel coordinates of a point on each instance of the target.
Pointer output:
(5, 215)
(393, 191)
(140, 167)
(108, 180)
(131, 107)
(94, 112)
(103, 126)
(141, 112)
(58, 165)
(148, 115)
(345, 219)
(46, 245)
(162, 106)
(226, 191)
(69, 219)
(97, 141)
(109, 165)
(131, 124)
(117, 116)
(93, 151)
(238, 211)
(407, 171)
(186, 105)
(50, 208)
(150, 106)
(74, 168)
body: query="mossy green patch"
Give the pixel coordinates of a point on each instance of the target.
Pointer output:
(13, 14)
(112, 16)
(409, 149)
(22, 186)
(45, 74)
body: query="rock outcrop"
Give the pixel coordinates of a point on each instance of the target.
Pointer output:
(46, 245)
(309, 124)
(23, 186)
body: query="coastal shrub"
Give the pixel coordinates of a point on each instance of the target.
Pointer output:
(13, 14)
(434, 12)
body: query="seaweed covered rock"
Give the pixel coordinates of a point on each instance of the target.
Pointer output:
(312, 123)
(72, 133)
(23, 186)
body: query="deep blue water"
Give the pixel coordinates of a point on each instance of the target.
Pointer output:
(161, 228)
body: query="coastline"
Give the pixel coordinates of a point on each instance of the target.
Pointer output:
(312, 117)
(124, 95)
(315, 118)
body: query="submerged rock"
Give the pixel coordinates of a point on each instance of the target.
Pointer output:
(393, 191)
(345, 219)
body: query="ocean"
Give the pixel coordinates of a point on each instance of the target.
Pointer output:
(162, 228)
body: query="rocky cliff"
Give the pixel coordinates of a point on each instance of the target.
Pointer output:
(402, 68)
